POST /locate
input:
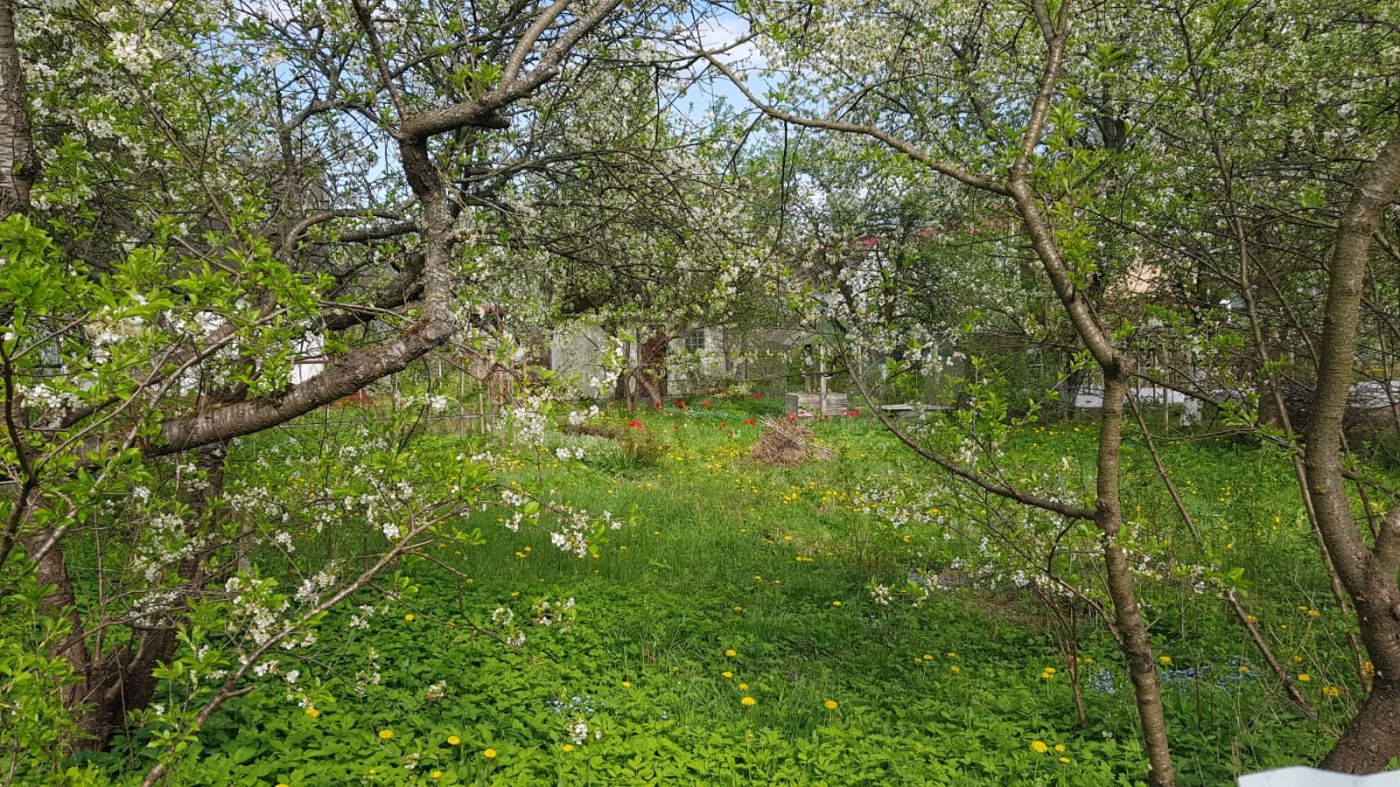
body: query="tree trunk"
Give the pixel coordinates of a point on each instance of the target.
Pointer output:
(123, 680)
(651, 369)
(19, 166)
(620, 386)
(51, 569)
(1373, 735)
(1369, 573)
(1136, 645)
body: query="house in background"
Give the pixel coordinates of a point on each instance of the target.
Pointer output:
(309, 358)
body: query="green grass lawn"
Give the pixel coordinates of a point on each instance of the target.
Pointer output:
(736, 580)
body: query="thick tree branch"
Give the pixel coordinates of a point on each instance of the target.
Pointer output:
(348, 375)
(485, 112)
(527, 41)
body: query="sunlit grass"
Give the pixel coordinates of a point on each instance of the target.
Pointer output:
(772, 564)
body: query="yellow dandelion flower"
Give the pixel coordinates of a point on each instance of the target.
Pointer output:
(627, 684)
(836, 603)
(1039, 747)
(312, 712)
(1060, 748)
(831, 704)
(435, 775)
(489, 754)
(1064, 760)
(1297, 659)
(928, 657)
(1304, 677)
(748, 702)
(727, 674)
(409, 617)
(385, 735)
(743, 687)
(1331, 691)
(1312, 613)
(952, 655)
(955, 669)
(453, 740)
(1165, 661)
(568, 747)
(731, 653)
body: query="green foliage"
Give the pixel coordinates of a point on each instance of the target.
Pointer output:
(942, 687)
(36, 722)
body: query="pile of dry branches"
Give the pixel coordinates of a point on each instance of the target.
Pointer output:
(786, 443)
